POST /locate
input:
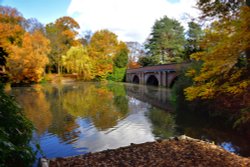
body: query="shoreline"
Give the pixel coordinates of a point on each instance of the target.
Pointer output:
(175, 151)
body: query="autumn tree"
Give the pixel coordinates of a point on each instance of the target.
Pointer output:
(103, 47)
(32, 25)
(77, 61)
(166, 42)
(225, 70)
(219, 9)
(26, 62)
(62, 35)
(11, 31)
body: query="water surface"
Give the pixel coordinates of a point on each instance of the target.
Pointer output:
(76, 118)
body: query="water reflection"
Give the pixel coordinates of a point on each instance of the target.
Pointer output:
(156, 96)
(163, 123)
(35, 105)
(95, 103)
(75, 118)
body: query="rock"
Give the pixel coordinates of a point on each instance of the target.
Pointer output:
(44, 162)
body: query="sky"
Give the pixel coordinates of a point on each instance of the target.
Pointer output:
(131, 20)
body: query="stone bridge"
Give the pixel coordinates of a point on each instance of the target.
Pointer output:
(158, 75)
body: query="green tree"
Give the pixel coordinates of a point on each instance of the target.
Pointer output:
(194, 37)
(121, 58)
(15, 134)
(62, 35)
(120, 63)
(148, 60)
(77, 61)
(166, 40)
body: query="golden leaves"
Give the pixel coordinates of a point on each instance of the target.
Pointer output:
(102, 49)
(191, 73)
(205, 91)
(224, 59)
(26, 63)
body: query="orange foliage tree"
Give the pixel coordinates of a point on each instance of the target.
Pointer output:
(26, 63)
(102, 49)
(11, 31)
(62, 35)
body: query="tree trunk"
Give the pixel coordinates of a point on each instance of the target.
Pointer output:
(248, 59)
(248, 49)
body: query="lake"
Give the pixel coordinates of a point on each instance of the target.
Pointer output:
(80, 117)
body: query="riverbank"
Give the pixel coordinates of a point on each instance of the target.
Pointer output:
(179, 151)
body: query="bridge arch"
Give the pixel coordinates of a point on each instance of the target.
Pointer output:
(136, 79)
(173, 81)
(172, 77)
(152, 80)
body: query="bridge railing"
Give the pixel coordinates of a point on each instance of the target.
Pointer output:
(161, 67)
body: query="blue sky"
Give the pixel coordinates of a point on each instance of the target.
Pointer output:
(44, 11)
(131, 20)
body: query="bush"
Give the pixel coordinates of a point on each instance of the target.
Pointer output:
(15, 134)
(118, 74)
(183, 82)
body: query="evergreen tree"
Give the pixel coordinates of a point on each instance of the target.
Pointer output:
(166, 41)
(194, 36)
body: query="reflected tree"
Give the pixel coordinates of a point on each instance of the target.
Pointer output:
(163, 123)
(35, 107)
(63, 124)
(80, 103)
(120, 98)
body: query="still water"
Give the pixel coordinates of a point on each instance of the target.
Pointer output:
(76, 118)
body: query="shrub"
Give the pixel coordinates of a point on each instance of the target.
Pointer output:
(118, 74)
(15, 134)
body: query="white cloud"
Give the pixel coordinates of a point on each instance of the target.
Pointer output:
(131, 20)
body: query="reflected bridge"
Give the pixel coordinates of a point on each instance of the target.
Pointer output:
(155, 96)
(158, 75)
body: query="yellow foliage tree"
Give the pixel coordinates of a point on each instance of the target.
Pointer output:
(26, 64)
(225, 70)
(77, 61)
(102, 48)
